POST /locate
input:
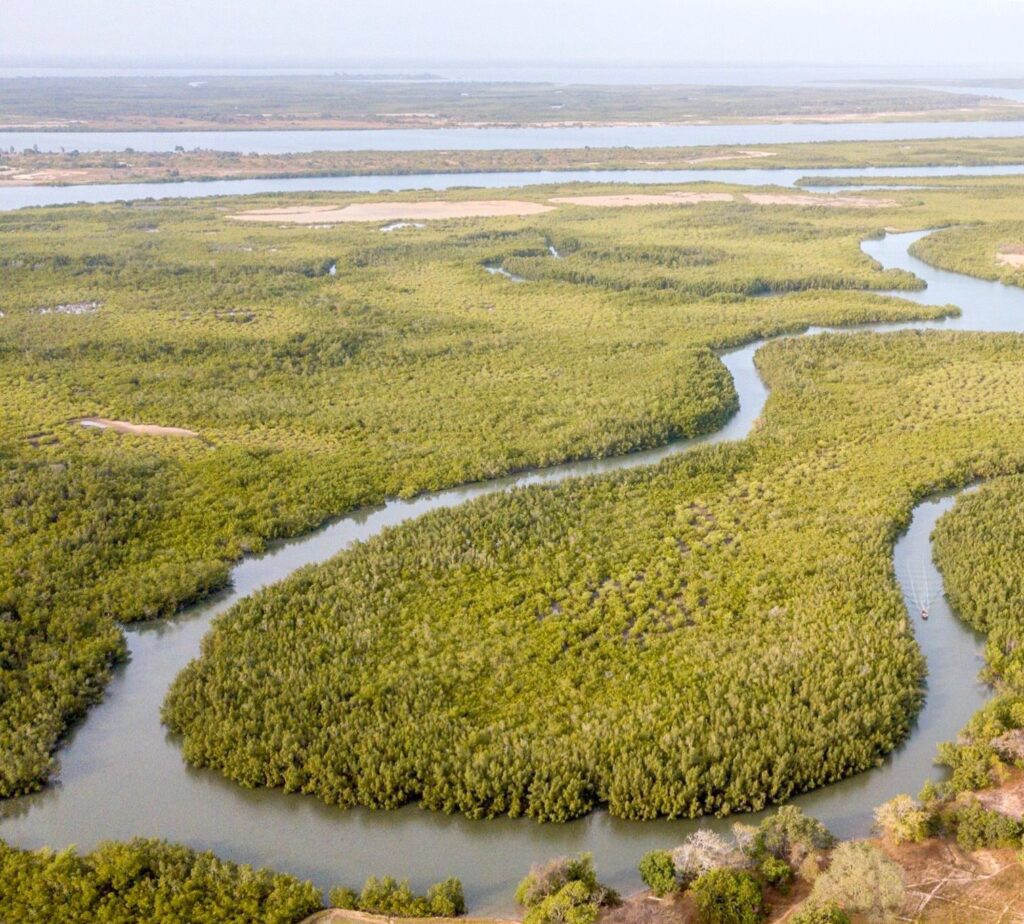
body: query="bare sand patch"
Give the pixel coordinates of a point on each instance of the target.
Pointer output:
(829, 202)
(732, 155)
(124, 426)
(396, 211)
(635, 199)
(1008, 258)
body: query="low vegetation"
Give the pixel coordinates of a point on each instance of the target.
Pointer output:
(345, 101)
(29, 167)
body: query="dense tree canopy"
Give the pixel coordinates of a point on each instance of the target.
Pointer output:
(407, 369)
(146, 880)
(674, 640)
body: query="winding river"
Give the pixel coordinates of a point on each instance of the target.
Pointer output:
(122, 775)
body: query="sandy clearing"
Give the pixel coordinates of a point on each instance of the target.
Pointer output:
(124, 426)
(1015, 260)
(396, 211)
(633, 199)
(829, 202)
(737, 155)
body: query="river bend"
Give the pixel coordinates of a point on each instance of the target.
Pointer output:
(123, 776)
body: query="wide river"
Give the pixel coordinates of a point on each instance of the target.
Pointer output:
(526, 138)
(122, 775)
(16, 197)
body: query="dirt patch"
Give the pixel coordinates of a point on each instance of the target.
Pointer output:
(734, 155)
(396, 211)
(947, 885)
(829, 202)
(1006, 798)
(634, 199)
(1016, 260)
(124, 426)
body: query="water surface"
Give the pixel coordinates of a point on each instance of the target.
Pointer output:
(16, 197)
(483, 139)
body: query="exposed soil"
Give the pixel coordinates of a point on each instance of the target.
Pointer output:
(395, 211)
(123, 426)
(830, 202)
(1008, 258)
(947, 885)
(633, 199)
(1008, 798)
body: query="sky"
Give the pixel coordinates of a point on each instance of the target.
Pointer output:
(344, 32)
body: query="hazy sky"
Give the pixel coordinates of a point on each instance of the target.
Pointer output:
(954, 32)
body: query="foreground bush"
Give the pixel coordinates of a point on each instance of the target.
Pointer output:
(789, 835)
(659, 872)
(727, 896)
(861, 879)
(564, 890)
(903, 820)
(146, 880)
(978, 827)
(704, 851)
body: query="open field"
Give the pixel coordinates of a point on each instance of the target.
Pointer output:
(154, 103)
(25, 168)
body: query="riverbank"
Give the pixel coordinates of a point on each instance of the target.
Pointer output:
(35, 168)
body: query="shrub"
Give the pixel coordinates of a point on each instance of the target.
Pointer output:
(341, 897)
(659, 872)
(776, 872)
(572, 904)
(930, 793)
(446, 899)
(861, 879)
(564, 891)
(547, 879)
(978, 827)
(903, 820)
(728, 896)
(702, 852)
(789, 835)
(388, 896)
(829, 913)
(812, 866)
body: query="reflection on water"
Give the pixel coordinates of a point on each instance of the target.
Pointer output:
(122, 775)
